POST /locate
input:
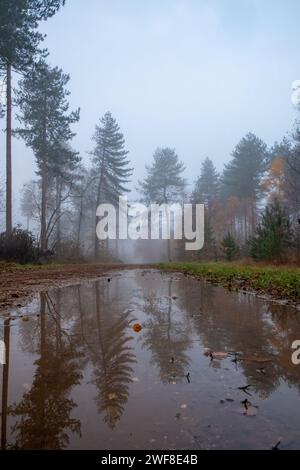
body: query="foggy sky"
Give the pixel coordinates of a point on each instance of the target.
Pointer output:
(196, 75)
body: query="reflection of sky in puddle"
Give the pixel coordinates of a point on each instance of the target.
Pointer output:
(81, 378)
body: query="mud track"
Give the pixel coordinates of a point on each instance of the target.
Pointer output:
(17, 283)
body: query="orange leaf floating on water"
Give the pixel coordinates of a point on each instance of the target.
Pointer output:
(137, 327)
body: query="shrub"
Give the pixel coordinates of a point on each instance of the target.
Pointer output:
(230, 247)
(20, 246)
(273, 235)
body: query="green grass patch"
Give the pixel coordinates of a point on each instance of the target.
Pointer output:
(278, 281)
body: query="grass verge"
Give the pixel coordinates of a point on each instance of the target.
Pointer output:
(280, 282)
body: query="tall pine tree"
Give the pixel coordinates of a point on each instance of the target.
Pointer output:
(19, 47)
(206, 191)
(242, 175)
(207, 185)
(45, 115)
(164, 183)
(111, 171)
(242, 178)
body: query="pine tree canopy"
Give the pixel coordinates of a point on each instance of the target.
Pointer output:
(207, 185)
(44, 113)
(164, 183)
(19, 37)
(110, 163)
(281, 150)
(242, 175)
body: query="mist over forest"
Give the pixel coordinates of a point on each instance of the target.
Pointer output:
(160, 103)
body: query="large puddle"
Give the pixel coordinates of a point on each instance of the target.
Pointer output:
(80, 377)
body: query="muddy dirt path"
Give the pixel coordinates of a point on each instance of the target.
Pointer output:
(17, 284)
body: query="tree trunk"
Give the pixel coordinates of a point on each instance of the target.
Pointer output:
(8, 153)
(58, 228)
(44, 213)
(79, 225)
(168, 217)
(96, 245)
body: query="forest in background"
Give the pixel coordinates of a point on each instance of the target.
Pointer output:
(252, 207)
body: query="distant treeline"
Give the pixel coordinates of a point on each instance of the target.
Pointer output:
(251, 208)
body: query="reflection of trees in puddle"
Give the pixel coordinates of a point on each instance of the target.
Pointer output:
(44, 413)
(5, 378)
(166, 337)
(245, 324)
(67, 331)
(105, 333)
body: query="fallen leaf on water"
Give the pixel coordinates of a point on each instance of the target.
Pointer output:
(25, 318)
(137, 327)
(135, 379)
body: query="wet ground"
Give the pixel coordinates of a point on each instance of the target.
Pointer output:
(208, 369)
